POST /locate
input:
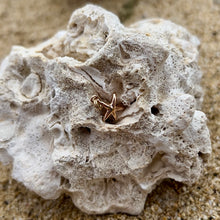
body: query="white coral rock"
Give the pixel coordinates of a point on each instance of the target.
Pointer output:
(56, 138)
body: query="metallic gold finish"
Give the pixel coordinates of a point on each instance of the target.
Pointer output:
(111, 109)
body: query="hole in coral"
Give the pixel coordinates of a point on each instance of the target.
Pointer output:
(53, 93)
(84, 130)
(113, 179)
(14, 106)
(124, 54)
(155, 110)
(65, 183)
(73, 26)
(106, 34)
(203, 156)
(87, 159)
(133, 102)
(62, 180)
(200, 154)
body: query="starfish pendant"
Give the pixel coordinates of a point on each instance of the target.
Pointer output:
(111, 109)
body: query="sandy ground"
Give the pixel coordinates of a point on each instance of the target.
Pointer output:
(28, 22)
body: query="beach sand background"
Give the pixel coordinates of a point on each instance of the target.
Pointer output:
(29, 22)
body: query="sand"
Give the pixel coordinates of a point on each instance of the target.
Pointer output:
(28, 22)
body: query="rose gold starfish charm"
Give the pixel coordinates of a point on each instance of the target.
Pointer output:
(111, 108)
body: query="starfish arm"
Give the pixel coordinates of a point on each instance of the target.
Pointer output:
(114, 115)
(119, 108)
(106, 106)
(111, 109)
(107, 114)
(113, 102)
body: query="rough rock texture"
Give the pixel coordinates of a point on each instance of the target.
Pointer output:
(56, 137)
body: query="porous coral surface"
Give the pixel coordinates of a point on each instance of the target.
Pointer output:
(55, 136)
